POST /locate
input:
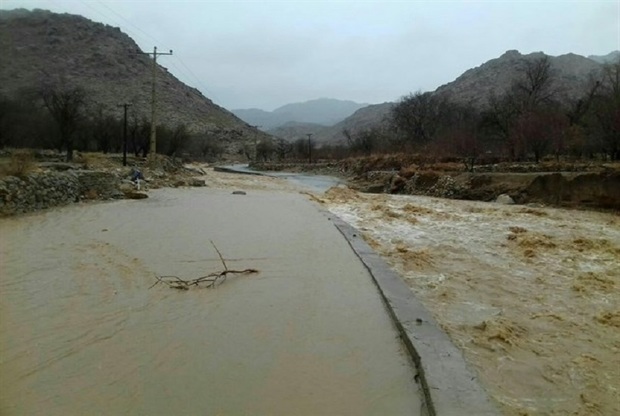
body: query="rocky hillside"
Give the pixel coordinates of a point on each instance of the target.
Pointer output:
(372, 116)
(323, 111)
(39, 47)
(572, 73)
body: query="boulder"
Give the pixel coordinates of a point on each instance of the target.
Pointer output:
(197, 182)
(505, 199)
(135, 195)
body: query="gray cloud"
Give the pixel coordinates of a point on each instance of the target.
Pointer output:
(268, 53)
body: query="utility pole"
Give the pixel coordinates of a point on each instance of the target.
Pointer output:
(153, 143)
(256, 143)
(309, 147)
(125, 106)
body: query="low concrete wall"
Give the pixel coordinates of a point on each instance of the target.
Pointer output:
(43, 190)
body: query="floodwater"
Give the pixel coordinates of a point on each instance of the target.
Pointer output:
(529, 293)
(82, 332)
(303, 181)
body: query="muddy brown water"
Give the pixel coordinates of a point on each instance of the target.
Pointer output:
(82, 333)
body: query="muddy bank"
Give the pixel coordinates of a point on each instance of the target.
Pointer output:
(570, 189)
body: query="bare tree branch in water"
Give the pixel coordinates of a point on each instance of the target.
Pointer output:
(211, 280)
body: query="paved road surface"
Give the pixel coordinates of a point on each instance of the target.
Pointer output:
(83, 334)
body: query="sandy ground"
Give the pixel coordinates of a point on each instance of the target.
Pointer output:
(530, 294)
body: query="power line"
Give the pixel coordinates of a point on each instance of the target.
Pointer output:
(128, 22)
(198, 81)
(186, 71)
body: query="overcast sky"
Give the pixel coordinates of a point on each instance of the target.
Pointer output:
(265, 54)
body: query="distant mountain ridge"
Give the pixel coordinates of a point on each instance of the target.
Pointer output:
(606, 59)
(323, 111)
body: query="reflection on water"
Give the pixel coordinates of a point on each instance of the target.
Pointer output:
(82, 334)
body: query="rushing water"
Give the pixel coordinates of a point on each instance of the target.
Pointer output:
(82, 333)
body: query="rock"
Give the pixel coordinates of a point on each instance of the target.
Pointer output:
(135, 195)
(127, 186)
(239, 193)
(197, 182)
(505, 199)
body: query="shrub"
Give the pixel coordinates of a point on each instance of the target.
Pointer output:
(20, 164)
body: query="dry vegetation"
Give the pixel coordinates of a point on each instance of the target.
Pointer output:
(20, 164)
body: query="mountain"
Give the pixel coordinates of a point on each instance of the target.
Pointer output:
(38, 47)
(256, 117)
(572, 75)
(365, 118)
(294, 130)
(323, 111)
(611, 57)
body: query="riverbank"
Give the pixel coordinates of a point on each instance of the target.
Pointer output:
(576, 185)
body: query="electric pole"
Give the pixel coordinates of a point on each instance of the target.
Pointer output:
(309, 147)
(256, 143)
(125, 106)
(153, 145)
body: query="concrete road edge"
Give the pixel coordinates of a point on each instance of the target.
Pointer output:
(449, 386)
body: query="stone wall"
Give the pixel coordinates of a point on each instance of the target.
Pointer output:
(43, 190)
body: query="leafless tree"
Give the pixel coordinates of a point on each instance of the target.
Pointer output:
(417, 117)
(66, 105)
(536, 86)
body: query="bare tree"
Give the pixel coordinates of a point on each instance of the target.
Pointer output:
(606, 112)
(283, 149)
(417, 117)
(177, 140)
(265, 149)
(535, 88)
(66, 106)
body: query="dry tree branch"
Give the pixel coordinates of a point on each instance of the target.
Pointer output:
(219, 254)
(212, 279)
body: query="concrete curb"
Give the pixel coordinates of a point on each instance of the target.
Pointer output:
(449, 387)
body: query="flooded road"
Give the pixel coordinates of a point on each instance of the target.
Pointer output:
(303, 181)
(82, 333)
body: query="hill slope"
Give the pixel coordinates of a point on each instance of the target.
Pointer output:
(39, 46)
(573, 74)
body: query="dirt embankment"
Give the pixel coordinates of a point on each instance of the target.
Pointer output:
(574, 184)
(590, 189)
